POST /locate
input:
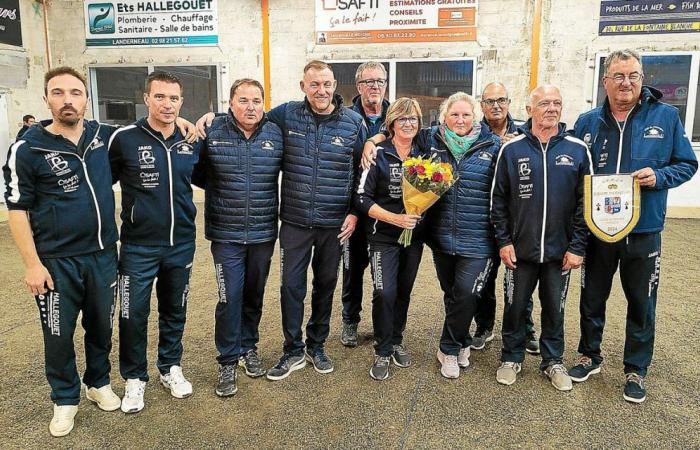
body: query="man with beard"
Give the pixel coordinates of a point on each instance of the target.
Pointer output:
(59, 193)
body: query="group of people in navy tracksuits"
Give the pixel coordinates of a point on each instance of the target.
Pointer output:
(518, 200)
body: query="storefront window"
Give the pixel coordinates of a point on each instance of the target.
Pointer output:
(430, 82)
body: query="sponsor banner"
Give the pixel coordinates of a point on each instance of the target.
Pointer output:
(648, 16)
(384, 21)
(160, 23)
(10, 24)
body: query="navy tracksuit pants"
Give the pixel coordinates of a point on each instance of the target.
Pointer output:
(355, 261)
(86, 283)
(639, 259)
(485, 316)
(462, 280)
(298, 247)
(519, 285)
(241, 275)
(394, 270)
(139, 266)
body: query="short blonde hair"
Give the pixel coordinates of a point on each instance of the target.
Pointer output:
(454, 98)
(403, 106)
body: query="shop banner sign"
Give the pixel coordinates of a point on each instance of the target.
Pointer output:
(648, 17)
(384, 21)
(161, 23)
(10, 25)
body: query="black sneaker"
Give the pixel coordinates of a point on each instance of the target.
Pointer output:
(401, 357)
(380, 369)
(252, 363)
(532, 346)
(348, 336)
(584, 368)
(322, 363)
(481, 337)
(286, 365)
(635, 391)
(226, 387)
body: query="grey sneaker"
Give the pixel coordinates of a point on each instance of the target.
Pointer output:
(287, 364)
(322, 363)
(449, 366)
(532, 346)
(252, 363)
(463, 358)
(348, 336)
(481, 337)
(559, 377)
(226, 387)
(508, 372)
(584, 368)
(380, 369)
(401, 357)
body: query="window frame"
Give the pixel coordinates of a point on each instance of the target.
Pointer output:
(150, 66)
(693, 97)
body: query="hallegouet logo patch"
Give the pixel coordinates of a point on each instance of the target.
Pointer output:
(653, 132)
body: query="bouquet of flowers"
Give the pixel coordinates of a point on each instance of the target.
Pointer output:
(424, 181)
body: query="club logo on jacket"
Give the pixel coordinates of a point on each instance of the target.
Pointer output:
(268, 145)
(524, 169)
(337, 140)
(146, 158)
(486, 156)
(653, 132)
(185, 149)
(564, 160)
(97, 143)
(58, 165)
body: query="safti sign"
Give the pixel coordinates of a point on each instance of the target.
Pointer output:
(381, 21)
(10, 25)
(132, 23)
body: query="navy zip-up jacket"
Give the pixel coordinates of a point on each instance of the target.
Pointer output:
(155, 175)
(381, 185)
(319, 164)
(372, 128)
(241, 194)
(460, 222)
(653, 136)
(512, 125)
(68, 195)
(537, 196)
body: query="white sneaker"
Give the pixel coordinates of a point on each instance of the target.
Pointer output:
(450, 367)
(105, 398)
(463, 358)
(176, 382)
(133, 396)
(63, 420)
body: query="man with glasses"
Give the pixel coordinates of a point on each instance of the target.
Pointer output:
(632, 132)
(371, 82)
(495, 104)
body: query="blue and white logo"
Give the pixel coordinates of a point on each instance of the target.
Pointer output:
(101, 18)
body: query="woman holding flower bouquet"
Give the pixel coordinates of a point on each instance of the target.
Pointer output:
(461, 235)
(394, 266)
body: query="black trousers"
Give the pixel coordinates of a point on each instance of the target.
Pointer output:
(485, 316)
(394, 270)
(87, 284)
(639, 259)
(355, 261)
(553, 287)
(462, 280)
(299, 247)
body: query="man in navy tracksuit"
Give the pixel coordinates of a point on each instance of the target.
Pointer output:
(61, 214)
(537, 212)
(322, 145)
(371, 82)
(153, 163)
(241, 161)
(633, 132)
(495, 104)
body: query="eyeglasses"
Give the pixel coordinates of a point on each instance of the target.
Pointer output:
(619, 78)
(502, 101)
(373, 83)
(404, 120)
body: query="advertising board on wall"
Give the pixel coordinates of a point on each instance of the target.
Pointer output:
(648, 17)
(10, 24)
(383, 21)
(161, 23)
